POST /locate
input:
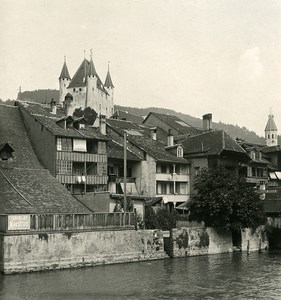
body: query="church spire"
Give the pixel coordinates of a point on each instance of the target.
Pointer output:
(108, 82)
(271, 131)
(64, 72)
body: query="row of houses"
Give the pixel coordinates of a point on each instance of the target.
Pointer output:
(54, 162)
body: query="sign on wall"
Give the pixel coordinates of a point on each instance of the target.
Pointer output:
(18, 222)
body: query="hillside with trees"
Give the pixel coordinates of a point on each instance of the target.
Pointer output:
(233, 130)
(39, 96)
(45, 96)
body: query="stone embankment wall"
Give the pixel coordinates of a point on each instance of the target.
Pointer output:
(254, 240)
(202, 241)
(46, 251)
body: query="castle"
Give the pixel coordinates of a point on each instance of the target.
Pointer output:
(86, 89)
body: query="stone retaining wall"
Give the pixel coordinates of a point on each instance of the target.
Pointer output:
(202, 241)
(45, 251)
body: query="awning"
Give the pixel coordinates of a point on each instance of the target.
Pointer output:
(130, 188)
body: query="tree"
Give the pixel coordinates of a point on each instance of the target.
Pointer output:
(226, 201)
(88, 113)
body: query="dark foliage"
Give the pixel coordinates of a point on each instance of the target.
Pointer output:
(88, 113)
(39, 96)
(226, 201)
(161, 219)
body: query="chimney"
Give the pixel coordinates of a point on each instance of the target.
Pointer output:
(102, 124)
(67, 104)
(207, 122)
(153, 134)
(170, 138)
(53, 107)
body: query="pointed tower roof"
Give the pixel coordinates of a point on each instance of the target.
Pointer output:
(92, 69)
(108, 81)
(64, 72)
(270, 124)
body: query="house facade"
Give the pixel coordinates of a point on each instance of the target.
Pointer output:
(160, 172)
(73, 152)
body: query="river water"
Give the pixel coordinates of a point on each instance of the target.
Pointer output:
(223, 276)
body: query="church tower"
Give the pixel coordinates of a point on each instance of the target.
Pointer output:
(109, 87)
(271, 131)
(64, 81)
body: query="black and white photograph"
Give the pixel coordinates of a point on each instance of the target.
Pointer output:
(140, 149)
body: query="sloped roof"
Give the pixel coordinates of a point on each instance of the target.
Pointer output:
(271, 149)
(138, 136)
(42, 113)
(115, 150)
(175, 123)
(211, 143)
(25, 186)
(270, 125)
(126, 116)
(108, 81)
(64, 72)
(80, 77)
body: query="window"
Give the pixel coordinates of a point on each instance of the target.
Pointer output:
(179, 152)
(268, 136)
(79, 145)
(64, 144)
(272, 135)
(73, 90)
(64, 167)
(58, 144)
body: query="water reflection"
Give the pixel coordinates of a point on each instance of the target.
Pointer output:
(225, 276)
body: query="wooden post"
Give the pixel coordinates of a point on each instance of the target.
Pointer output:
(125, 173)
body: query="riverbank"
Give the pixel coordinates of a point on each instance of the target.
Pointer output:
(48, 251)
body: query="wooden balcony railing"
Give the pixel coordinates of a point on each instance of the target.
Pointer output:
(66, 222)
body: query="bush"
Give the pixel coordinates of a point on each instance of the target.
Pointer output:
(161, 219)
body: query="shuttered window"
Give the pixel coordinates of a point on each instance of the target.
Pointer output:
(79, 145)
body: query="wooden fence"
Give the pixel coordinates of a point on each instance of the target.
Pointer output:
(183, 221)
(66, 222)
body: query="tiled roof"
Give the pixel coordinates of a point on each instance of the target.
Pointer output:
(211, 143)
(139, 137)
(115, 150)
(175, 123)
(270, 124)
(108, 81)
(42, 113)
(124, 115)
(80, 77)
(271, 149)
(64, 72)
(25, 186)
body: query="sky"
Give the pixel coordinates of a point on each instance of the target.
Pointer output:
(209, 56)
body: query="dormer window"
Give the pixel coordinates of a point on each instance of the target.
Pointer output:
(6, 152)
(180, 151)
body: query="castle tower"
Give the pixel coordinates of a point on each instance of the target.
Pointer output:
(271, 131)
(91, 87)
(64, 81)
(109, 87)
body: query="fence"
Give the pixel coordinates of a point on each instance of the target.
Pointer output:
(65, 222)
(183, 221)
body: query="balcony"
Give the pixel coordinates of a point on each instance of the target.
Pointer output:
(80, 156)
(175, 197)
(172, 177)
(90, 179)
